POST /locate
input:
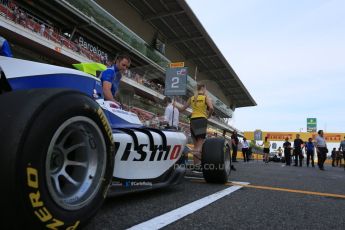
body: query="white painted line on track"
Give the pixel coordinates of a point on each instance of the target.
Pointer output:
(194, 177)
(201, 178)
(174, 215)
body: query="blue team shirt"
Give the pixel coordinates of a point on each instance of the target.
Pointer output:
(309, 146)
(5, 49)
(112, 75)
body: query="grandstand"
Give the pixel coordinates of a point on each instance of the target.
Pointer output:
(65, 32)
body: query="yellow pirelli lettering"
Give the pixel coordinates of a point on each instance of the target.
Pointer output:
(43, 214)
(55, 224)
(32, 177)
(73, 227)
(105, 123)
(35, 199)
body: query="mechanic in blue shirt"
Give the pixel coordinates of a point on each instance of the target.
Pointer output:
(111, 77)
(5, 48)
(310, 149)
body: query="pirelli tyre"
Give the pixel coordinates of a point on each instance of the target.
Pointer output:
(216, 160)
(56, 156)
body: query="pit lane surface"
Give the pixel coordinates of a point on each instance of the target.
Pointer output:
(277, 197)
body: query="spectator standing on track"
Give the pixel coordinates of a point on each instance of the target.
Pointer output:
(280, 151)
(333, 156)
(321, 148)
(342, 148)
(338, 158)
(298, 145)
(287, 151)
(111, 77)
(202, 109)
(310, 149)
(171, 114)
(267, 146)
(234, 145)
(5, 49)
(245, 150)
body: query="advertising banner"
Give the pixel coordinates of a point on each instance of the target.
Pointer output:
(280, 136)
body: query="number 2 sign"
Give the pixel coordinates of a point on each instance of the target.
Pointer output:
(176, 81)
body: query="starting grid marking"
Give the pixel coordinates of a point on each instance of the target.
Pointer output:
(174, 215)
(179, 213)
(291, 190)
(247, 185)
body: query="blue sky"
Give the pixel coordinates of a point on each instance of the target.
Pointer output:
(290, 55)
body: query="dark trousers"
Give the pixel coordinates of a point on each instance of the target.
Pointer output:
(245, 154)
(298, 156)
(287, 155)
(234, 152)
(338, 161)
(321, 156)
(310, 156)
(344, 159)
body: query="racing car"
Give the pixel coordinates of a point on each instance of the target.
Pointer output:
(64, 149)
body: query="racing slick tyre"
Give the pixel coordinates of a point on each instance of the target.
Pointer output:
(56, 156)
(216, 160)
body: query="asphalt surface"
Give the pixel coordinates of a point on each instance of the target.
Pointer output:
(247, 208)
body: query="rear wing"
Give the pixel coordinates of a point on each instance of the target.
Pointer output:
(93, 68)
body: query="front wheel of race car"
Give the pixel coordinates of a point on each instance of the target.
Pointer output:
(216, 160)
(56, 158)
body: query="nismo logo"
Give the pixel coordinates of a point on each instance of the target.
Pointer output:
(144, 154)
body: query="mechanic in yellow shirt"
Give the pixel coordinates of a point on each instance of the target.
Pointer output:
(267, 146)
(202, 109)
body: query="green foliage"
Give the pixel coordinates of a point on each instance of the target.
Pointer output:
(255, 147)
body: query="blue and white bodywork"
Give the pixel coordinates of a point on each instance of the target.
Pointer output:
(145, 157)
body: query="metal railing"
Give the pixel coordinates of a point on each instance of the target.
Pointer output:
(95, 12)
(14, 13)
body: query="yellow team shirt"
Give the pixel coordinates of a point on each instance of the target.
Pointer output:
(199, 108)
(267, 144)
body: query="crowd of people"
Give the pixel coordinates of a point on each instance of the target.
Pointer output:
(11, 11)
(319, 145)
(202, 108)
(337, 157)
(293, 152)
